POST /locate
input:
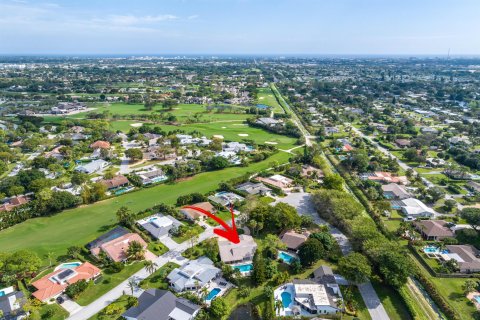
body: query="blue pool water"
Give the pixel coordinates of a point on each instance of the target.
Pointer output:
(477, 298)
(212, 294)
(263, 106)
(433, 249)
(2, 293)
(286, 257)
(70, 265)
(245, 267)
(286, 299)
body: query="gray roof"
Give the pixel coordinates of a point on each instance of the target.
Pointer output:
(253, 188)
(324, 274)
(193, 273)
(158, 231)
(8, 301)
(158, 304)
(397, 190)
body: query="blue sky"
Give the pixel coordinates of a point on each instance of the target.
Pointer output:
(240, 26)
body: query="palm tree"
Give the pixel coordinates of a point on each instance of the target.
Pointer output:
(132, 285)
(135, 251)
(150, 266)
(278, 306)
(50, 257)
(203, 293)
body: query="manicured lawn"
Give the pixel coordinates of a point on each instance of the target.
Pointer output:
(157, 248)
(106, 283)
(81, 225)
(224, 215)
(157, 280)
(266, 96)
(53, 312)
(392, 302)
(451, 290)
(121, 302)
(197, 229)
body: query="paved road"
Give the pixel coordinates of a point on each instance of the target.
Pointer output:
(171, 256)
(304, 205)
(402, 164)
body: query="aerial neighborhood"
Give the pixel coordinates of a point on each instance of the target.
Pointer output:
(351, 186)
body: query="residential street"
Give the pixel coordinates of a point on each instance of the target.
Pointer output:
(171, 256)
(302, 201)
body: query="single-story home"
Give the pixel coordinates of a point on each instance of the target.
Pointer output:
(225, 198)
(434, 230)
(115, 182)
(193, 275)
(403, 143)
(475, 186)
(54, 284)
(293, 240)
(152, 176)
(159, 225)
(92, 167)
(11, 303)
(192, 214)
(393, 191)
(14, 202)
(384, 177)
(311, 172)
(116, 248)
(277, 180)
(414, 208)
(100, 145)
(155, 304)
(269, 122)
(254, 188)
(467, 257)
(237, 252)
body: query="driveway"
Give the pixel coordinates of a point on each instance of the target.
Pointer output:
(171, 256)
(69, 305)
(302, 201)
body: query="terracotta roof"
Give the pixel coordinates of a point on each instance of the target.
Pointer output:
(115, 182)
(48, 287)
(387, 177)
(100, 144)
(116, 249)
(194, 214)
(14, 202)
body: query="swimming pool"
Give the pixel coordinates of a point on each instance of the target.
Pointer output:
(69, 265)
(287, 258)
(286, 299)
(477, 298)
(244, 267)
(212, 294)
(433, 249)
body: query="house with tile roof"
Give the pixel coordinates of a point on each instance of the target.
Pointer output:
(293, 240)
(55, 283)
(116, 249)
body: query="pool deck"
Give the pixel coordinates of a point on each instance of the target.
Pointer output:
(216, 284)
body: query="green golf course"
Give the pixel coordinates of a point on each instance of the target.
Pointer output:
(80, 225)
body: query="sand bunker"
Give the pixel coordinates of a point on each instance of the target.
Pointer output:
(136, 125)
(218, 136)
(270, 142)
(224, 127)
(243, 134)
(240, 124)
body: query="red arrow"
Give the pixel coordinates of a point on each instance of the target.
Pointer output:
(229, 233)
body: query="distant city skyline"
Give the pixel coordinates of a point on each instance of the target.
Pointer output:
(240, 27)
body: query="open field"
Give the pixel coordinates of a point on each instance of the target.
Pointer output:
(266, 96)
(83, 224)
